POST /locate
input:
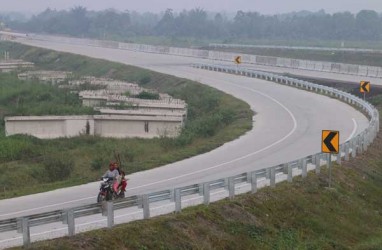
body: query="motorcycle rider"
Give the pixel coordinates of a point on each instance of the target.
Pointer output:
(113, 173)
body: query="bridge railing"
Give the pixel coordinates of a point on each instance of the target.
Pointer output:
(269, 175)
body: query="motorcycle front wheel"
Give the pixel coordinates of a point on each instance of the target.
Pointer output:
(101, 198)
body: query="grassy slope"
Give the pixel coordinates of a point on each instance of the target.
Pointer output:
(214, 118)
(301, 215)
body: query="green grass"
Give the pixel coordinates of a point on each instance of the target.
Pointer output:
(299, 215)
(213, 119)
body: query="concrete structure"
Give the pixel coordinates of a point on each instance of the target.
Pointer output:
(119, 126)
(134, 118)
(116, 126)
(105, 98)
(144, 112)
(112, 86)
(12, 65)
(48, 127)
(53, 77)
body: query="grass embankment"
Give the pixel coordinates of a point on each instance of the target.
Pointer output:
(299, 215)
(213, 119)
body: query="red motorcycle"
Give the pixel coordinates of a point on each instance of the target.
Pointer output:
(110, 190)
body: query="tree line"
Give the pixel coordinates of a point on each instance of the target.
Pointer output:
(197, 23)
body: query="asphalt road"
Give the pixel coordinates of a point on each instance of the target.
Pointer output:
(287, 126)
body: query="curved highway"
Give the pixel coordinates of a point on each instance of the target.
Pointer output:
(287, 126)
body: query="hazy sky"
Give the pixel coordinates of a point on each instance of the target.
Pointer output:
(262, 6)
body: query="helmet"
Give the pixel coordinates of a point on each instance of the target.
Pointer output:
(112, 166)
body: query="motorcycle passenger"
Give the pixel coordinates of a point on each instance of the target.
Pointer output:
(121, 179)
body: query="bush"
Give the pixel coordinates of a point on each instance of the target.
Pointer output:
(148, 95)
(97, 164)
(58, 169)
(144, 80)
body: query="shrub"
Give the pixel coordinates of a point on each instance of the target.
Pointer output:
(97, 164)
(58, 169)
(144, 80)
(148, 95)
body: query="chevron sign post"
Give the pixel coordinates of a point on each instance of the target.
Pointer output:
(330, 144)
(364, 88)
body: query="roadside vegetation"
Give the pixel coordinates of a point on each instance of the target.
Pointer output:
(304, 214)
(213, 119)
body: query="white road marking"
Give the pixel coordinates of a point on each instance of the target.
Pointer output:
(239, 158)
(202, 170)
(355, 127)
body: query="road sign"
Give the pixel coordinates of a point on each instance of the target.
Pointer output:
(364, 87)
(238, 59)
(330, 141)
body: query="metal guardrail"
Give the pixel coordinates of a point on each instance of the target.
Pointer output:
(322, 66)
(233, 45)
(356, 145)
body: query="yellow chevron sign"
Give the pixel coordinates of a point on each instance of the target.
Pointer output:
(330, 142)
(364, 87)
(238, 59)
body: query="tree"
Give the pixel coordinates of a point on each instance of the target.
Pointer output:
(166, 26)
(78, 21)
(343, 25)
(368, 25)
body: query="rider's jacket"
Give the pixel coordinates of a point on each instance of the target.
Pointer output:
(111, 174)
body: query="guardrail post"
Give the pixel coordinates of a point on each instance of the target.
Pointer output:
(304, 167)
(328, 159)
(339, 155)
(249, 177)
(290, 173)
(110, 214)
(146, 206)
(267, 173)
(172, 195)
(354, 148)
(347, 151)
(313, 159)
(178, 200)
(23, 227)
(104, 207)
(365, 141)
(231, 188)
(360, 146)
(253, 182)
(70, 221)
(273, 177)
(318, 163)
(226, 183)
(201, 192)
(299, 164)
(285, 168)
(206, 193)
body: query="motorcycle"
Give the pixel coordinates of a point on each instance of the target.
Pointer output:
(106, 191)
